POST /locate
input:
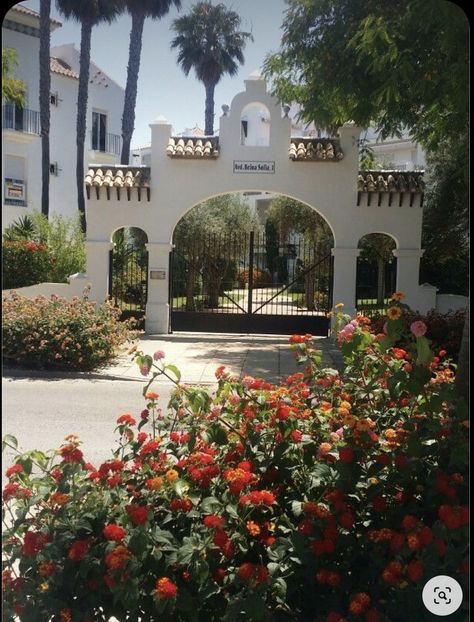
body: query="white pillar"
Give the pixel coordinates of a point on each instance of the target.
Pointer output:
(408, 273)
(157, 311)
(98, 268)
(345, 272)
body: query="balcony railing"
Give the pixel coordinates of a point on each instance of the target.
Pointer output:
(106, 143)
(20, 119)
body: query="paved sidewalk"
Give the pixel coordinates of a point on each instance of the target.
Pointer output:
(198, 355)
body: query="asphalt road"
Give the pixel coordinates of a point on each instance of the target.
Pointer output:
(41, 412)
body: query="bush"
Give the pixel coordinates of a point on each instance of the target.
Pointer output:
(61, 334)
(24, 263)
(64, 242)
(261, 278)
(444, 330)
(324, 498)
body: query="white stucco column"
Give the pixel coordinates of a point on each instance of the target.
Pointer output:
(345, 272)
(157, 307)
(98, 268)
(408, 273)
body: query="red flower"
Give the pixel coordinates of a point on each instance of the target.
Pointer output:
(415, 571)
(379, 503)
(78, 549)
(253, 574)
(127, 419)
(118, 557)
(34, 542)
(165, 589)
(213, 522)
(346, 455)
(346, 520)
(10, 491)
(16, 468)
(219, 575)
(138, 513)
(114, 532)
(71, 453)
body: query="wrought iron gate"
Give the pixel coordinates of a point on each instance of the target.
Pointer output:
(128, 283)
(250, 283)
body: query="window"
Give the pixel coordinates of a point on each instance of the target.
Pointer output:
(14, 183)
(54, 98)
(99, 131)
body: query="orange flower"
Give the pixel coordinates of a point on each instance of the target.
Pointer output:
(171, 475)
(398, 296)
(118, 557)
(393, 313)
(151, 395)
(253, 528)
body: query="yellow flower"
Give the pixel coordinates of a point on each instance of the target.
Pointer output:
(44, 587)
(393, 313)
(171, 475)
(398, 296)
(339, 305)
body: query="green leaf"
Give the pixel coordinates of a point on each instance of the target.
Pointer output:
(424, 354)
(9, 440)
(174, 370)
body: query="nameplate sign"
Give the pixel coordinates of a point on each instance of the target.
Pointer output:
(253, 166)
(158, 274)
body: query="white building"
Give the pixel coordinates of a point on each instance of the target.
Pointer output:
(395, 153)
(21, 161)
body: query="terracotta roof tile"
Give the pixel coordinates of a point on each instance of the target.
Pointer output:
(193, 147)
(57, 65)
(315, 149)
(390, 181)
(119, 176)
(19, 8)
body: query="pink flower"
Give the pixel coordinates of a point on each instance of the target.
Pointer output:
(418, 328)
(247, 381)
(158, 355)
(144, 370)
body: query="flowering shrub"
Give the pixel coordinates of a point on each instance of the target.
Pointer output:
(328, 498)
(24, 263)
(260, 277)
(59, 333)
(443, 329)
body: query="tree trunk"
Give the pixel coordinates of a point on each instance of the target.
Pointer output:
(190, 277)
(209, 110)
(309, 289)
(462, 374)
(44, 101)
(134, 56)
(380, 280)
(82, 96)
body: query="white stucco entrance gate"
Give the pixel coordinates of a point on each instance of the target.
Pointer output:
(322, 173)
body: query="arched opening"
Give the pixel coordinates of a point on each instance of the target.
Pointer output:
(251, 262)
(376, 272)
(255, 125)
(128, 266)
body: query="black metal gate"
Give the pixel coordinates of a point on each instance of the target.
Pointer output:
(128, 282)
(250, 283)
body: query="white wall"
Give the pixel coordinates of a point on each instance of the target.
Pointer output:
(330, 188)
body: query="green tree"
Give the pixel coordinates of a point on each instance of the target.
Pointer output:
(445, 262)
(139, 11)
(88, 13)
(377, 248)
(194, 236)
(362, 60)
(290, 216)
(13, 89)
(208, 39)
(44, 100)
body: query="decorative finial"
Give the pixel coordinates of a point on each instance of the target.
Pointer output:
(225, 109)
(286, 110)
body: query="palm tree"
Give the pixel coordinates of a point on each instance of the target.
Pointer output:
(89, 13)
(156, 9)
(44, 100)
(208, 39)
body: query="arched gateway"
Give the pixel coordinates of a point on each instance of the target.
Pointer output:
(322, 173)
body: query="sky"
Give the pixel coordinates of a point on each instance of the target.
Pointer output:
(163, 89)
